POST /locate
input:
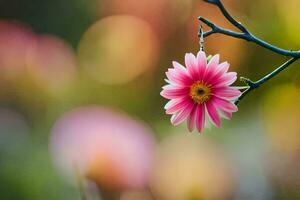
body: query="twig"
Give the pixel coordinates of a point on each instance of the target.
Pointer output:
(253, 85)
(245, 34)
(248, 37)
(227, 15)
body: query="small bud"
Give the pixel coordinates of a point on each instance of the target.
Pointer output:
(244, 80)
(209, 58)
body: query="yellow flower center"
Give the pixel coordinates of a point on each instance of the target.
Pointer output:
(200, 92)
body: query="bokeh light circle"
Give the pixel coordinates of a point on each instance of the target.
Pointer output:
(282, 113)
(281, 116)
(289, 14)
(162, 15)
(52, 62)
(117, 49)
(190, 167)
(105, 146)
(15, 39)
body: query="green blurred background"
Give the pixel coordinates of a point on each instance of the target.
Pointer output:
(57, 55)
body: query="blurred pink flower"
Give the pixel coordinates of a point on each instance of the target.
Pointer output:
(109, 148)
(52, 62)
(202, 87)
(15, 38)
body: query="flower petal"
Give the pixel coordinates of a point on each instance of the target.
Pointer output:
(173, 92)
(214, 61)
(211, 67)
(182, 115)
(200, 117)
(202, 62)
(176, 105)
(178, 78)
(213, 113)
(226, 115)
(224, 105)
(227, 92)
(192, 65)
(177, 66)
(225, 80)
(220, 71)
(191, 120)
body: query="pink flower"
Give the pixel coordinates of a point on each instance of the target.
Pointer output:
(106, 146)
(200, 90)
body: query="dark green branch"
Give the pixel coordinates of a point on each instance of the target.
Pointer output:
(248, 37)
(245, 34)
(253, 85)
(227, 15)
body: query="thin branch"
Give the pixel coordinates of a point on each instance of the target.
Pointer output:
(245, 34)
(248, 37)
(217, 29)
(253, 85)
(227, 15)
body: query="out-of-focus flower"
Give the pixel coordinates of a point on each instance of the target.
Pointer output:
(15, 38)
(202, 87)
(105, 146)
(52, 62)
(189, 167)
(162, 15)
(49, 59)
(118, 49)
